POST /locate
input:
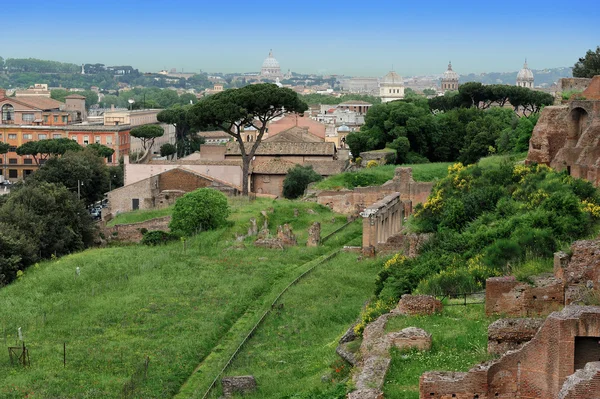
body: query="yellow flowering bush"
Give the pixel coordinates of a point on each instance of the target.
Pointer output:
(372, 311)
(372, 164)
(396, 260)
(591, 208)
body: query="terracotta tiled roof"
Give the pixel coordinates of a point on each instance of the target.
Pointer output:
(214, 134)
(43, 103)
(286, 148)
(294, 134)
(281, 167)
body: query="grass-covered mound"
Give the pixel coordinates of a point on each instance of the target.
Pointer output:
(380, 174)
(459, 341)
(163, 302)
(490, 221)
(140, 215)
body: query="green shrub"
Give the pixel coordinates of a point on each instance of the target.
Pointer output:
(202, 209)
(490, 220)
(372, 164)
(158, 237)
(297, 179)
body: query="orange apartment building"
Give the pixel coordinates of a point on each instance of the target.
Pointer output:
(28, 118)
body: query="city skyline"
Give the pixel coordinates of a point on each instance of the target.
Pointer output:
(348, 38)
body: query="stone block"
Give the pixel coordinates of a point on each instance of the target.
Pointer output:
(411, 338)
(238, 385)
(418, 305)
(314, 235)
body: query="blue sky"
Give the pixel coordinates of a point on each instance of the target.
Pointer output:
(349, 37)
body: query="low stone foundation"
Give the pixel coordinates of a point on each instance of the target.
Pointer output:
(132, 232)
(417, 305)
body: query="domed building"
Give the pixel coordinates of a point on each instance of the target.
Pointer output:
(270, 67)
(391, 87)
(525, 77)
(449, 79)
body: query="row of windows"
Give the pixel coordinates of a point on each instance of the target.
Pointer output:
(14, 161)
(14, 173)
(29, 136)
(396, 91)
(97, 140)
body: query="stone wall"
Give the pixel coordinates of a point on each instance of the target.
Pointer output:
(576, 280)
(352, 202)
(573, 84)
(511, 334)
(568, 136)
(506, 295)
(132, 232)
(566, 342)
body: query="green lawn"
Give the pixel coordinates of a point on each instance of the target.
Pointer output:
(459, 342)
(380, 174)
(293, 350)
(137, 301)
(139, 215)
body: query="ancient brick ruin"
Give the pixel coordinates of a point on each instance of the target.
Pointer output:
(510, 334)
(568, 136)
(375, 358)
(381, 221)
(576, 280)
(352, 202)
(561, 361)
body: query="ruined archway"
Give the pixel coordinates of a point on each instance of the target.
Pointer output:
(578, 118)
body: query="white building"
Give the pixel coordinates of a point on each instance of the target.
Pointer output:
(449, 79)
(270, 67)
(525, 77)
(391, 87)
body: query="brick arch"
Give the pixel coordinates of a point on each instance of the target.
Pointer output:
(578, 119)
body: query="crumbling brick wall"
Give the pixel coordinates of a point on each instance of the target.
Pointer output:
(133, 232)
(537, 370)
(506, 295)
(511, 334)
(355, 201)
(576, 280)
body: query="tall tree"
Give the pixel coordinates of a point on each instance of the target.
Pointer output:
(43, 149)
(589, 65)
(147, 133)
(177, 116)
(82, 172)
(4, 147)
(254, 105)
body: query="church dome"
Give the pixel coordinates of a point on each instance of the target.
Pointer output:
(525, 74)
(392, 78)
(270, 62)
(343, 128)
(449, 74)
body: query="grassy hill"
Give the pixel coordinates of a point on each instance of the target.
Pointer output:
(163, 302)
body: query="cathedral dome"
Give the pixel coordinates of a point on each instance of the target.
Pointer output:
(344, 128)
(449, 74)
(525, 74)
(270, 61)
(392, 78)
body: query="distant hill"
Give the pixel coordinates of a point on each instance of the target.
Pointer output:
(543, 77)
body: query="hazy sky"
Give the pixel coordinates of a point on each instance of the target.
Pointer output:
(349, 37)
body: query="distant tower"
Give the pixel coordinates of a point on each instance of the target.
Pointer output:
(525, 77)
(82, 69)
(449, 79)
(391, 87)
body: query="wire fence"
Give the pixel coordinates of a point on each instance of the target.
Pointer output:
(463, 299)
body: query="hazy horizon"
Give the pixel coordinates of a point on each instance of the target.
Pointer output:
(344, 38)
